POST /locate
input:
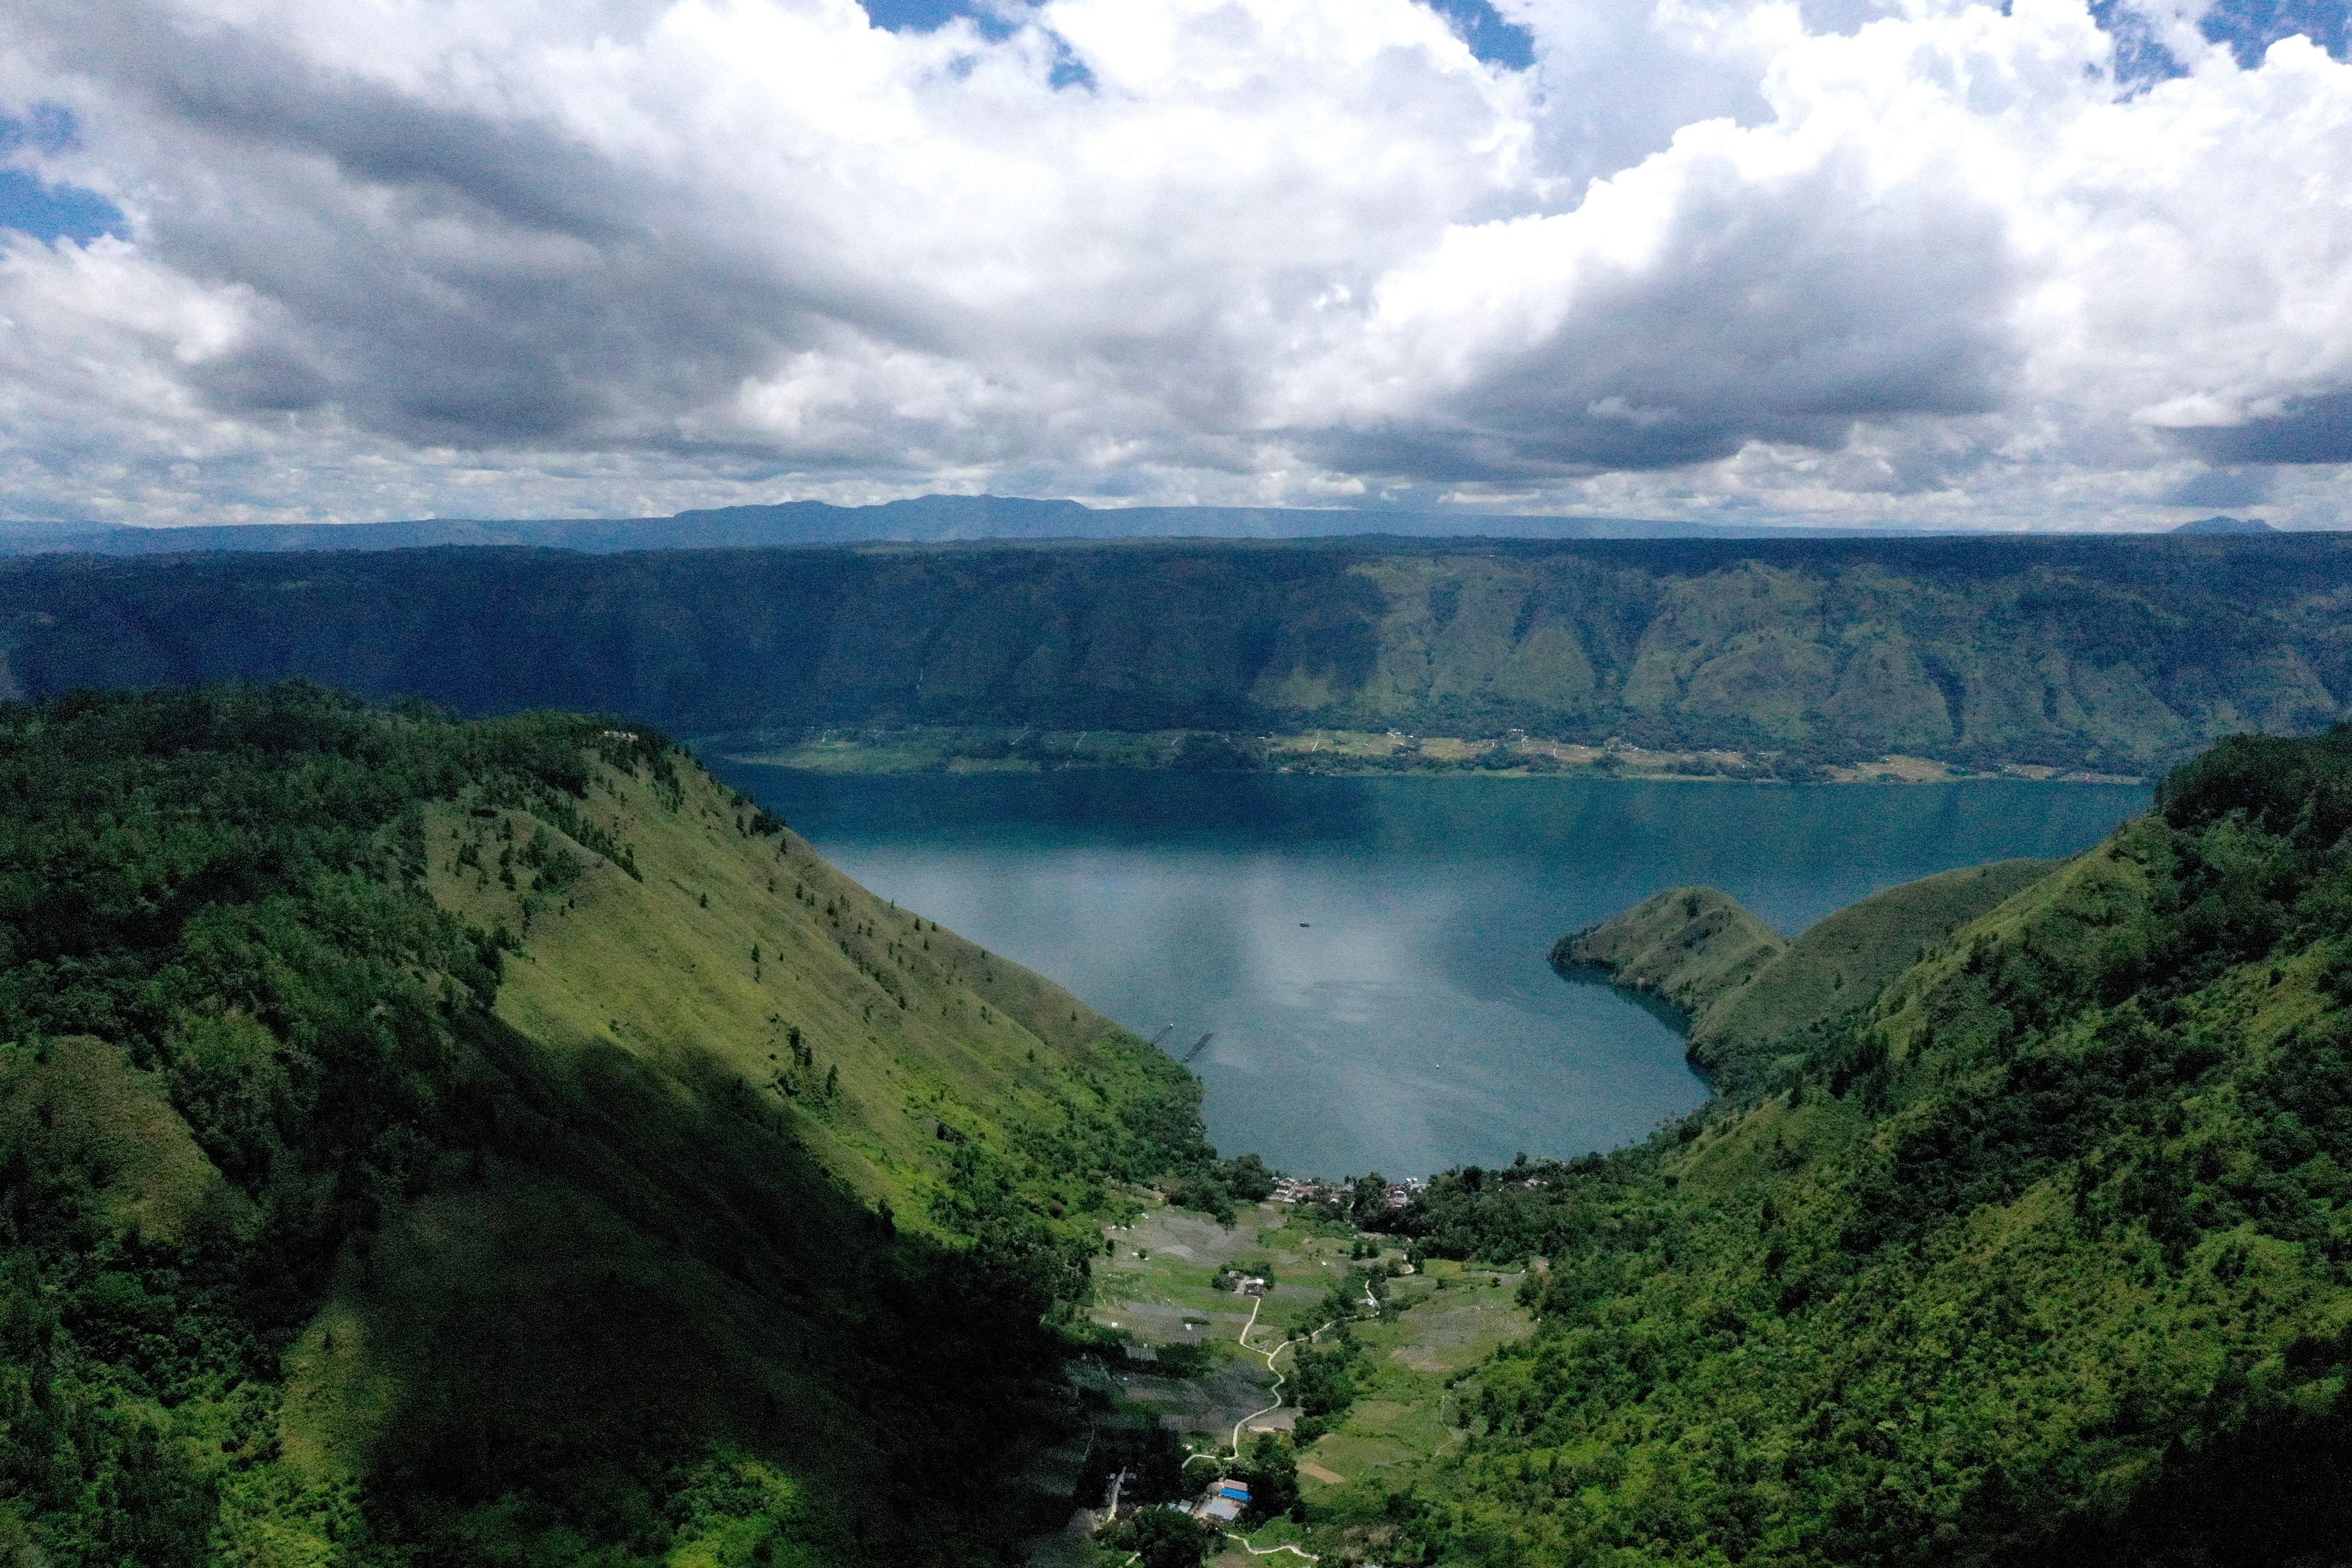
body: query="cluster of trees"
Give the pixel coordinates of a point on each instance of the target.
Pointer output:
(1213, 1185)
(225, 887)
(1171, 1537)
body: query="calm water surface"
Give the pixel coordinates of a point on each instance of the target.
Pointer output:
(1369, 954)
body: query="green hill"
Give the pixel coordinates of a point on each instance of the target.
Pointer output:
(1835, 968)
(1691, 945)
(2117, 654)
(432, 1143)
(2042, 1258)
(1753, 999)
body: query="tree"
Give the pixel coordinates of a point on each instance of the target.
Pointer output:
(1165, 1538)
(1370, 1200)
(1273, 1476)
(1246, 1177)
(1324, 1386)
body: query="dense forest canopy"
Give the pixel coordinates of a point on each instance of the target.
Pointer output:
(2121, 654)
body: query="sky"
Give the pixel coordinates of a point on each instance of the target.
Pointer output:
(1849, 263)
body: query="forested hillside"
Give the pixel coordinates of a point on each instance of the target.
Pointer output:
(2044, 1256)
(425, 1143)
(1752, 998)
(2118, 655)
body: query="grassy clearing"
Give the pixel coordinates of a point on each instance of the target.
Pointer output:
(1156, 1288)
(1448, 1322)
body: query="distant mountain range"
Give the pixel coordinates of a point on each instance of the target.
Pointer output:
(925, 519)
(2114, 654)
(2226, 525)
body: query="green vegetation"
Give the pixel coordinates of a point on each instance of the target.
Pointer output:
(427, 1143)
(1754, 1003)
(1735, 657)
(1833, 971)
(1163, 1538)
(2045, 1255)
(931, 749)
(1692, 945)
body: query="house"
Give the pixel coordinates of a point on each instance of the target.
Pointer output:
(1225, 1501)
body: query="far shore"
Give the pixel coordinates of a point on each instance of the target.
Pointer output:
(1346, 753)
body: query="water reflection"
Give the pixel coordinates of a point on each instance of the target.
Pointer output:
(1369, 953)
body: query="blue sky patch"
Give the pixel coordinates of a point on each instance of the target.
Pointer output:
(46, 128)
(2141, 58)
(33, 206)
(1069, 71)
(930, 16)
(2247, 27)
(2251, 26)
(1490, 38)
(49, 212)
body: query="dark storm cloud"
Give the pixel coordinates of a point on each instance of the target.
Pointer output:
(238, 85)
(452, 254)
(2222, 487)
(2307, 430)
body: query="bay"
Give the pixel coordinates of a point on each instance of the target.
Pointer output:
(1368, 955)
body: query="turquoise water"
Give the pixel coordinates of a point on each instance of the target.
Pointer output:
(1369, 954)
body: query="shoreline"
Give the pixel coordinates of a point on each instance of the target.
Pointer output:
(1330, 753)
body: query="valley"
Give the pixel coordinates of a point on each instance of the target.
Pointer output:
(436, 1142)
(1176, 784)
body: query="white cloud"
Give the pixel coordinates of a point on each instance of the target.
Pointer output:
(1909, 261)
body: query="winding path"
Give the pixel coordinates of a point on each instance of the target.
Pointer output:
(1241, 1339)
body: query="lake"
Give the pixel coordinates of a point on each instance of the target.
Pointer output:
(1367, 955)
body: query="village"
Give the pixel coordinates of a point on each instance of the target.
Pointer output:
(1396, 1195)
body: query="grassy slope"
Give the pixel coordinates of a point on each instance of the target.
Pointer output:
(662, 970)
(1691, 945)
(622, 1299)
(103, 1113)
(1835, 968)
(551, 1313)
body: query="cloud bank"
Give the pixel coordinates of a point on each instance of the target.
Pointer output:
(1919, 262)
